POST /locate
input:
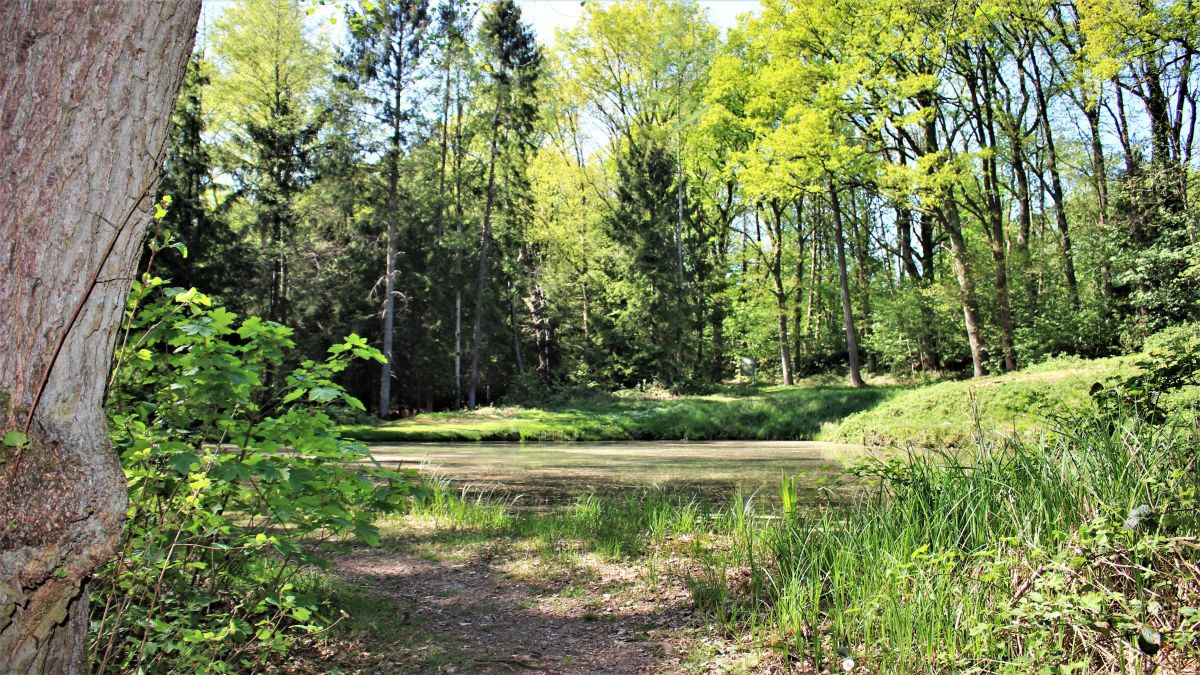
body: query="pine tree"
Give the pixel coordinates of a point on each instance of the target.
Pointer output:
(512, 61)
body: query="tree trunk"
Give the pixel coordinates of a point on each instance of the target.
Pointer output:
(1020, 171)
(775, 270)
(393, 205)
(485, 245)
(1056, 187)
(952, 223)
(1100, 182)
(946, 210)
(85, 100)
(458, 249)
(798, 302)
(839, 237)
(995, 217)
(861, 276)
(515, 327)
(814, 282)
(389, 311)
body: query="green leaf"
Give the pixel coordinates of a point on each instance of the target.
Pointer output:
(353, 402)
(323, 394)
(184, 462)
(16, 439)
(367, 533)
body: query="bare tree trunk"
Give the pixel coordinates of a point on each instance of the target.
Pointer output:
(862, 260)
(775, 271)
(389, 312)
(393, 205)
(814, 283)
(458, 252)
(1100, 182)
(952, 223)
(798, 302)
(994, 220)
(515, 326)
(444, 160)
(844, 283)
(85, 100)
(1024, 217)
(946, 210)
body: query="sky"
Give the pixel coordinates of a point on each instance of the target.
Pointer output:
(551, 15)
(547, 16)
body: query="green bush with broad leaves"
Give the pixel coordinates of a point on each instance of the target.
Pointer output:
(238, 483)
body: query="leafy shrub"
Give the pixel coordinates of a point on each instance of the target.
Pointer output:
(1167, 377)
(237, 484)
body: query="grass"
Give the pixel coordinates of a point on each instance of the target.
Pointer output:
(931, 416)
(738, 413)
(1011, 555)
(945, 414)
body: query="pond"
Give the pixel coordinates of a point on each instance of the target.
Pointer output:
(533, 475)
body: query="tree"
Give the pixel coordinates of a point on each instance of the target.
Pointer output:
(513, 63)
(213, 260)
(649, 323)
(452, 33)
(801, 112)
(388, 41)
(270, 71)
(80, 176)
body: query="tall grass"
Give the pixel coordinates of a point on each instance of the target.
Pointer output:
(615, 528)
(1013, 555)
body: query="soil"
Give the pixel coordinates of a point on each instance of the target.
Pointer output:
(483, 608)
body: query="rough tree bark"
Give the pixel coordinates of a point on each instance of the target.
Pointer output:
(86, 93)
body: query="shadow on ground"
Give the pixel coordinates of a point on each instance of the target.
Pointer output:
(475, 614)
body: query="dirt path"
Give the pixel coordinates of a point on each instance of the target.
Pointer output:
(482, 613)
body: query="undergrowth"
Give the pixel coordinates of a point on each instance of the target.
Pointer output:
(238, 484)
(1076, 550)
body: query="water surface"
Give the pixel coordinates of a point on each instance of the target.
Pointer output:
(539, 474)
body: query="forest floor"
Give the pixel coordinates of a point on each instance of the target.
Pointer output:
(433, 599)
(942, 414)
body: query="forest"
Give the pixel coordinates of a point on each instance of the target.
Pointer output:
(827, 187)
(430, 336)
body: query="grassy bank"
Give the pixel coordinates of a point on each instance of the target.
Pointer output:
(738, 413)
(944, 414)
(934, 415)
(1073, 552)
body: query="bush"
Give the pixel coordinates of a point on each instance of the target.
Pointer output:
(237, 484)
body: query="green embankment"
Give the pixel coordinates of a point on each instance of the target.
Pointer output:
(763, 413)
(935, 415)
(944, 414)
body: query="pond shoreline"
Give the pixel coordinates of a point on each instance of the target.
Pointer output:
(940, 415)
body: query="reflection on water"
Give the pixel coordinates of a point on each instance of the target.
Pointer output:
(552, 473)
